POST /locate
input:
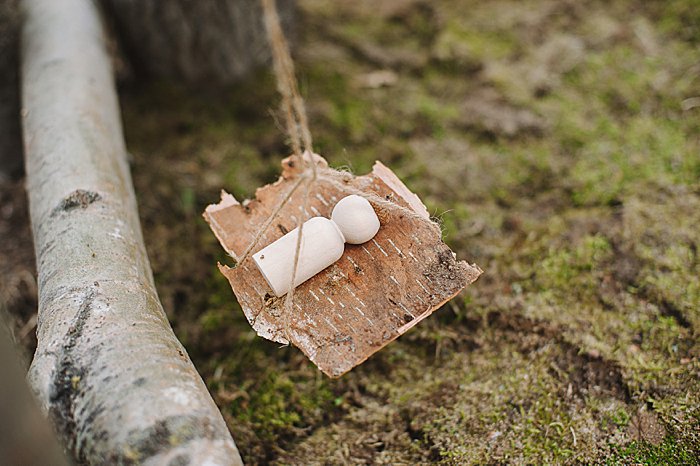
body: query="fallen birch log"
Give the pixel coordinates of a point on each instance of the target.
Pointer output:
(108, 369)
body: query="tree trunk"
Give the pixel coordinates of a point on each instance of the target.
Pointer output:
(10, 139)
(216, 41)
(22, 427)
(108, 368)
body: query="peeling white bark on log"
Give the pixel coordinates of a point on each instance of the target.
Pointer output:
(108, 369)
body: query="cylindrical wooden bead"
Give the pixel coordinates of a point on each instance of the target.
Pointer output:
(322, 244)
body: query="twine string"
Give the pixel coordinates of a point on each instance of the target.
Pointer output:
(300, 140)
(299, 133)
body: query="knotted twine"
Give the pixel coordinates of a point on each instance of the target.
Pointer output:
(300, 139)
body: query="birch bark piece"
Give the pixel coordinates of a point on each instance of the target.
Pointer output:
(376, 291)
(108, 369)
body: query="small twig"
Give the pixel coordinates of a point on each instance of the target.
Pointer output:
(28, 327)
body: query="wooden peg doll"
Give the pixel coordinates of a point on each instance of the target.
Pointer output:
(353, 221)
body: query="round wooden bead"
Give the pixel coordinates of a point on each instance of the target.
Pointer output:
(356, 219)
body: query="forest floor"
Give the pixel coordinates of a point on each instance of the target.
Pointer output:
(558, 142)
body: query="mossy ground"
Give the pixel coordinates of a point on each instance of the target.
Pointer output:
(559, 143)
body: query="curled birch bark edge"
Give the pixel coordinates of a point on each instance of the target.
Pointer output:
(108, 369)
